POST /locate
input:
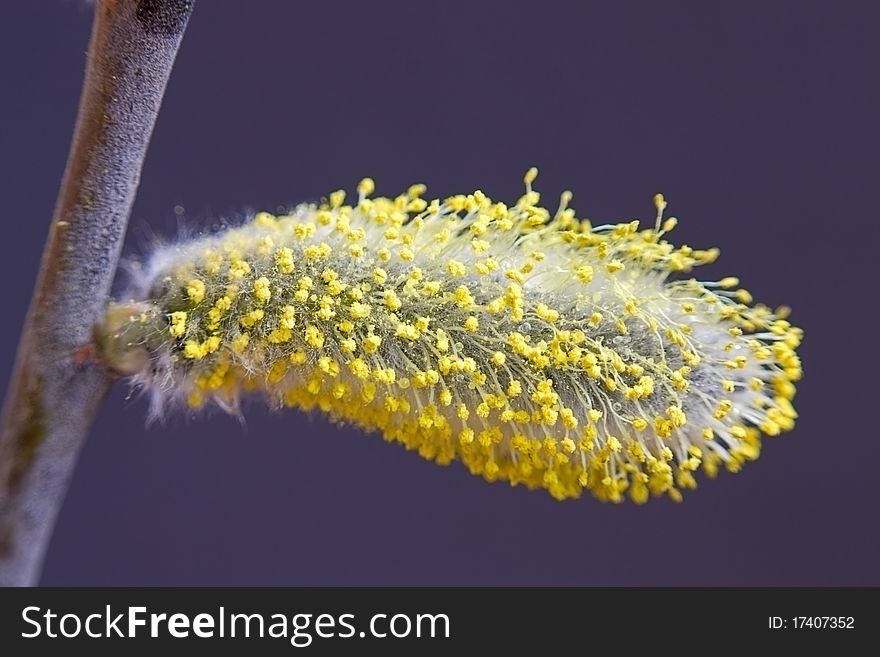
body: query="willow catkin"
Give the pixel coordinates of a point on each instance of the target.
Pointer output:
(529, 345)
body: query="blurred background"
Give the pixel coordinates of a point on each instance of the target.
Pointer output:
(758, 121)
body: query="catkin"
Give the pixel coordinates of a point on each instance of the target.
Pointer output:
(527, 344)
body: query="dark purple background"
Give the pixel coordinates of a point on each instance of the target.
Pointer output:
(757, 122)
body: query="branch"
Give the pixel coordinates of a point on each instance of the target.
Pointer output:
(54, 395)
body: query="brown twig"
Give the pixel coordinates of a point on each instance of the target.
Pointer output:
(54, 394)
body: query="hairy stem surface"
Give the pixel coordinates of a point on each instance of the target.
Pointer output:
(56, 387)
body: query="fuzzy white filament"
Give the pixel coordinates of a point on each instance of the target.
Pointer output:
(527, 344)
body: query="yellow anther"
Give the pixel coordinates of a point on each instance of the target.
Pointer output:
(366, 187)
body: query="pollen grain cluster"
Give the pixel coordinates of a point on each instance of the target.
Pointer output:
(528, 344)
